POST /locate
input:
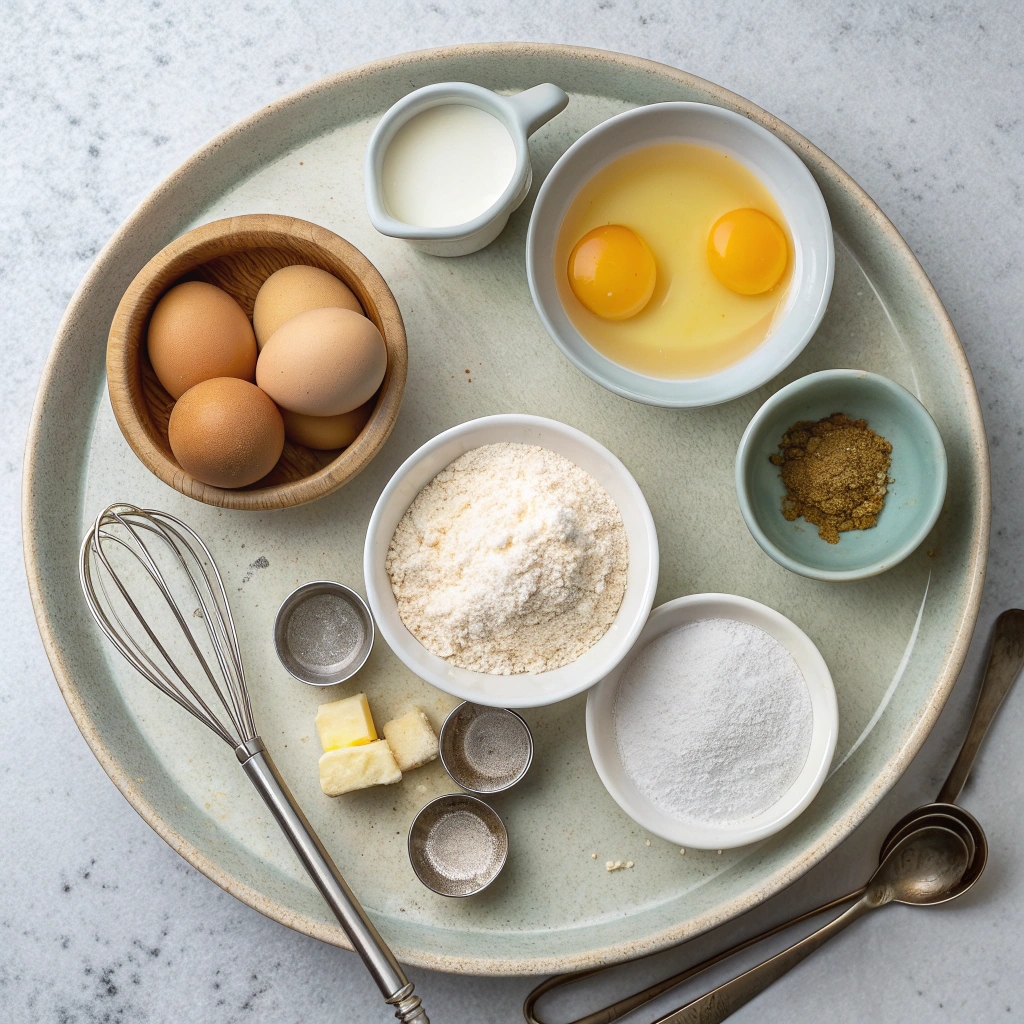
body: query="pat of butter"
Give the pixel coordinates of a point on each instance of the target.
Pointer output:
(345, 723)
(412, 740)
(349, 768)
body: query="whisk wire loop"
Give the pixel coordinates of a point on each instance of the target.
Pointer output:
(139, 658)
(125, 528)
(221, 630)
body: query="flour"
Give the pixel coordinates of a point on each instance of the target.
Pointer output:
(511, 560)
(713, 721)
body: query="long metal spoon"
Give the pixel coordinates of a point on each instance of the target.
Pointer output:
(1006, 658)
(922, 869)
(970, 834)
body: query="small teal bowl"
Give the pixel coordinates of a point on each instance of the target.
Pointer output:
(918, 471)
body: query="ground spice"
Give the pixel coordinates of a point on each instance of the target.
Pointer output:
(836, 473)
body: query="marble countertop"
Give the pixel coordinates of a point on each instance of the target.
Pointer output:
(921, 103)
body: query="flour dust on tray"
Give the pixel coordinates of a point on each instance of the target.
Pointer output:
(713, 721)
(511, 560)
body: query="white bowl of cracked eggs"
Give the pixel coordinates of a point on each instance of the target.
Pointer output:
(502, 584)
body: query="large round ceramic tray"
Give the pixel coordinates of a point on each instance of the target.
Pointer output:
(894, 643)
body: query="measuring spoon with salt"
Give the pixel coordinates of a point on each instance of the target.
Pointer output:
(323, 633)
(485, 750)
(457, 844)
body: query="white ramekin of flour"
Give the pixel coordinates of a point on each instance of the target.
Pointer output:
(720, 727)
(519, 689)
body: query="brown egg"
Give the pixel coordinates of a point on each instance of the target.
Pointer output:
(323, 362)
(326, 432)
(198, 332)
(293, 290)
(226, 432)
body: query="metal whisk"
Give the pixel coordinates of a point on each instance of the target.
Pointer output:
(135, 558)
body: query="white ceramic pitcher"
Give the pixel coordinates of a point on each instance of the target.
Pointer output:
(522, 115)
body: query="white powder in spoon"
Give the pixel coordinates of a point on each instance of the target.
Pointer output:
(713, 721)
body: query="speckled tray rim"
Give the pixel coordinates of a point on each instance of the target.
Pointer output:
(842, 828)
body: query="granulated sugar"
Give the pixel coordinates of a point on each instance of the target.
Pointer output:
(713, 721)
(512, 559)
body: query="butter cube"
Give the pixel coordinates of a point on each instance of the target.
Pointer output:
(412, 740)
(347, 768)
(345, 723)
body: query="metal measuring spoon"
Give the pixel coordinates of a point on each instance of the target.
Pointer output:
(917, 820)
(925, 867)
(1005, 660)
(953, 817)
(457, 845)
(485, 750)
(959, 871)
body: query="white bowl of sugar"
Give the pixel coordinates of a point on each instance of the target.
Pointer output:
(532, 688)
(719, 729)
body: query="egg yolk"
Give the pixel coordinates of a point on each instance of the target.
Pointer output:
(747, 251)
(612, 272)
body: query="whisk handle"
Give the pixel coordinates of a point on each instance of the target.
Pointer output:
(365, 939)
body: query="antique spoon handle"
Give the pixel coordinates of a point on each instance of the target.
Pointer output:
(720, 1003)
(619, 1009)
(1006, 657)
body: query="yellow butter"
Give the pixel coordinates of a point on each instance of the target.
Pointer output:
(412, 739)
(349, 768)
(345, 723)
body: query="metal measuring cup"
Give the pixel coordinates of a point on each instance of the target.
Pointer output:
(457, 843)
(323, 633)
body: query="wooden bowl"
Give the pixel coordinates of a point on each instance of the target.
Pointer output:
(238, 254)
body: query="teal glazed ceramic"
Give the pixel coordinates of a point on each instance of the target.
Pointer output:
(918, 475)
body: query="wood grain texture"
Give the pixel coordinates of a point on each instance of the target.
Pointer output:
(238, 254)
